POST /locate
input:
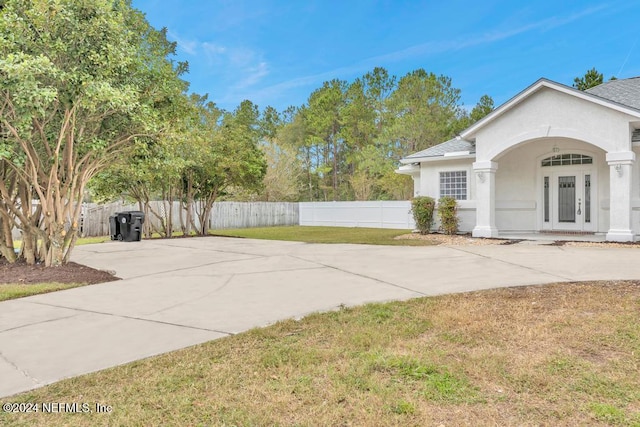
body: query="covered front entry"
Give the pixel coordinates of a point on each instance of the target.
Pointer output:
(552, 158)
(569, 194)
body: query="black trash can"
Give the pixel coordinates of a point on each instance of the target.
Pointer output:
(127, 226)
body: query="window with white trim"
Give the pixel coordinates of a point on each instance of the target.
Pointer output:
(454, 184)
(567, 159)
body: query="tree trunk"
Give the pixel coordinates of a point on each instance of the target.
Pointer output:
(207, 206)
(189, 205)
(29, 245)
(6, 244)
(161, 230)
(55, 254)
(335, 170)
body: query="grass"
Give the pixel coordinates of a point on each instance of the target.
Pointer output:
(16, 290)
(561, 354)
(371, 236)
(79, 241)
(92, 240)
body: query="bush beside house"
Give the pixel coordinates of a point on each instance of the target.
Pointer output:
(422, 209)
(448, 213)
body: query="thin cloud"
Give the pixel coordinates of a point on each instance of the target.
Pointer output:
(627, 58)
(432, 48)
(255, 74)
(238, 62)
(314, 78)
(190, 47)
(241, 56)
(212, 51)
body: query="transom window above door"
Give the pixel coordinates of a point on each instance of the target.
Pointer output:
(568, 159)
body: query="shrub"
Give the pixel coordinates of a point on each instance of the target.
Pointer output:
(422, 208)
(448, 213)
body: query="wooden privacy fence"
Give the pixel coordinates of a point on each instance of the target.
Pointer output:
(95, 220)
(253, 214)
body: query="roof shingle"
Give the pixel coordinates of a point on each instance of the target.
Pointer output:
(625, 92)
(451, 146)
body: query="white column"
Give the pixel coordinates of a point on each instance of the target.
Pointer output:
(485, 199)
(620, 165)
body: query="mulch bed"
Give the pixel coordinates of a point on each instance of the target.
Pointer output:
(21, 272)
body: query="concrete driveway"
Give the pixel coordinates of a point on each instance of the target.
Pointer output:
(181, 292)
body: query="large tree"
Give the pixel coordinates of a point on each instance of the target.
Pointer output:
(228, 157)
(484, 106)
(323, 118)
(207, 154)
(424, 111)
(80, 81)
(351, 136)
(282, 180)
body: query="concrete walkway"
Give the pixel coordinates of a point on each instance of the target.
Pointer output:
(181, 292)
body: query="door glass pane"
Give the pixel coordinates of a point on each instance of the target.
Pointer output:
(567, 199)
(546, 199)
(587, 198)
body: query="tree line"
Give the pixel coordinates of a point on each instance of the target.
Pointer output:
(345, 142)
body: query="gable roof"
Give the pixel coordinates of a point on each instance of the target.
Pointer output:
(622, 95)
(625, 92)
(455, 146)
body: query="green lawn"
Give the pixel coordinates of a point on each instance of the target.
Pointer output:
(371, 236)
(79, 241)
(16, 290)
(564, 354)
(92, 240)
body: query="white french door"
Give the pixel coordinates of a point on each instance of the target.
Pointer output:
(568, 200)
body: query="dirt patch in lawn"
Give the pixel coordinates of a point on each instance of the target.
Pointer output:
(21, 272)
(467, 240)
(455, 239)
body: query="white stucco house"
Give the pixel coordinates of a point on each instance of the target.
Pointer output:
(551, 159)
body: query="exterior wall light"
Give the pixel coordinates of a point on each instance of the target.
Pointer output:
(618, 168)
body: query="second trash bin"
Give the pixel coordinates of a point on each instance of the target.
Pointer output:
(127, 226)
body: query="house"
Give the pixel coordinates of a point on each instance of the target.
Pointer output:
(551, 159)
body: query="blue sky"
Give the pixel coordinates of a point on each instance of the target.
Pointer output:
(276, 52)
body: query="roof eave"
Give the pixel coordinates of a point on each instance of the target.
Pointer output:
(412, 169)
(436, 158)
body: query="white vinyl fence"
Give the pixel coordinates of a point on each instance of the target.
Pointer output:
(375, 214)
